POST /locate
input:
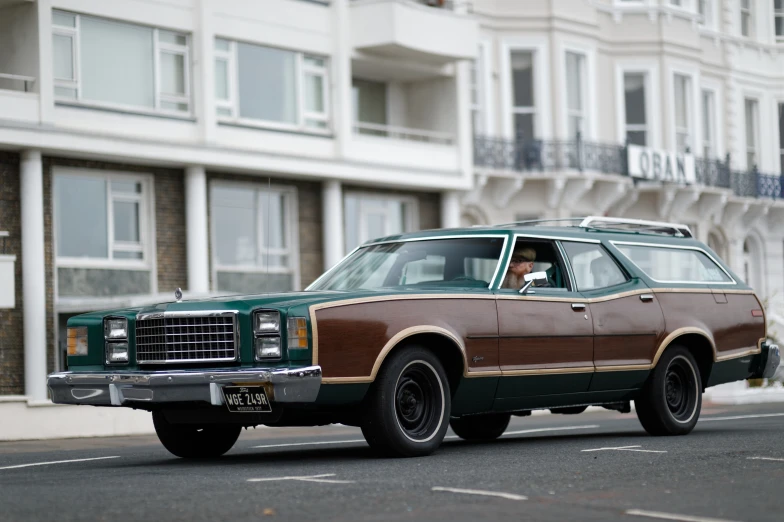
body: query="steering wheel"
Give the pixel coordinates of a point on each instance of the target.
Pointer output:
(463, 278)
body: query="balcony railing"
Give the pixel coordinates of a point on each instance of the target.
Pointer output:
(402, 133)
(529, 156)
(16, 82)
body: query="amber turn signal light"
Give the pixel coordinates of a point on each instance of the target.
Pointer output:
(77, 340)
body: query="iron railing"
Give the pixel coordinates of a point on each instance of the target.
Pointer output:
(538, 155)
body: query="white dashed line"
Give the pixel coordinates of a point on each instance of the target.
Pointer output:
(738, 417)
(57, 462)
(562, 428)
(764, 458)
(625, 448)
(306, 478)
(673, 516)
(508, 496)
(317, 443)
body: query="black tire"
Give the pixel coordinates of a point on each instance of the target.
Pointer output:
(406, 412)
(569, 410)
(671, 399)
(193, 441)
(481, 427)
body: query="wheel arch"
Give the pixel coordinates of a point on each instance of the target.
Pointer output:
(698, 343)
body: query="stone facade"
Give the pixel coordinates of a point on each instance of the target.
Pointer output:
(11, 321)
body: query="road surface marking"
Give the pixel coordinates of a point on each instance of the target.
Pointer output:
(537, 430)
(672, 516)
(58, 462)
(765, 458)
(509, 496)
(315, 443)
(305, 478)
(738, 417)
(626, 448)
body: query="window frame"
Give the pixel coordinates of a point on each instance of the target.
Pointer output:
(732, 280)
(412, 217)
(754, 149)
(302, 69)
(146, 202)
(584, 83)
(780, 125)
(520, 109)
(778, 13)
(708, 112)
(687, 132)
(750, 15)
(291, 221)
(158, 48)
(637, 127)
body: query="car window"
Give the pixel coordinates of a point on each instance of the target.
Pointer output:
(593, 267)
(534, 255)
(455, 262)
(674, 265)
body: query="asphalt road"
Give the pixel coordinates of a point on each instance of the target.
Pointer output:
(546, 467)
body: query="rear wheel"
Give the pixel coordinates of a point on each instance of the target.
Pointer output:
(193, 441)
(407, 410)
(671, 398)
(481, 427)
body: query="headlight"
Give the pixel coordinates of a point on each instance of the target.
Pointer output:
(297, 333)
(266, 322)
(267, 348)
(77, 340)
(115, 328)
(116, 353)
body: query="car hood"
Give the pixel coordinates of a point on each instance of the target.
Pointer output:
(246, 303)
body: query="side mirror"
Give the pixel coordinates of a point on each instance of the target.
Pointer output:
(530, 279)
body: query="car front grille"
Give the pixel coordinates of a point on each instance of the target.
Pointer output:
(175, 337)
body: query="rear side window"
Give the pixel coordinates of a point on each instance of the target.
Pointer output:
(674, 265)
(593, 267)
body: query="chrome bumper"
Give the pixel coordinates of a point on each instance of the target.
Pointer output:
(768, 362)
(131, 388)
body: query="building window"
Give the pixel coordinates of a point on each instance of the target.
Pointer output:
(781, 137)
(682, 87)
(524, 104)
(778, 15)
(280, 88)
(575, 93)
(708, 125)
(253, 238)
(120, 65)
(752, 132)
(477, 92)
(113, 207)
(705, 10)
(634, 103)
(746, 18)
(369, 100)
(369, 216)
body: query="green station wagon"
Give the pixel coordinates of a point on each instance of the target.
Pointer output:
(413, 333)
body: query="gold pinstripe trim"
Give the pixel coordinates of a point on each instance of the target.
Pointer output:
(678, 333)
(547, 371)
(623, 368)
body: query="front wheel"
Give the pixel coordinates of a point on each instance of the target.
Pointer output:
(407, 410)
(671, 399)
(481, 427)
(193, 441)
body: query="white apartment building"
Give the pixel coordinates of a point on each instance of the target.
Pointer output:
(229, 146)
(217, 146)
(679, 106)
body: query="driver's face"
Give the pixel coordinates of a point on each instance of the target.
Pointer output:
(520, 267)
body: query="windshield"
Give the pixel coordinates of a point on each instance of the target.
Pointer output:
(448, 262)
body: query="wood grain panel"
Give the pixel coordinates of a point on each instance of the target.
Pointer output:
(351, 337)
(628, 331)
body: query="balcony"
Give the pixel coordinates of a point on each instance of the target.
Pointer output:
(536, 156)
(18, 99)
(431, 31)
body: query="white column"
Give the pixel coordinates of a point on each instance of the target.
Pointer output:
(341, 77)
(450, 209)
(33, 273)
(332, 212)
(44, 84)
(196, 229)
(204, 71)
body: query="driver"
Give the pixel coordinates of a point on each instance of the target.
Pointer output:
(522, 263)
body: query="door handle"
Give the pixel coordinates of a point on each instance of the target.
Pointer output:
(646, 298)
(578, 307)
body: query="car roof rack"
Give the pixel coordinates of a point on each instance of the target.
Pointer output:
(636, 225)
(540, 221)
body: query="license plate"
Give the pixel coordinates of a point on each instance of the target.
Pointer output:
(246, 399)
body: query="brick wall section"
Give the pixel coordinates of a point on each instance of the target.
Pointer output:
(169, 189)
(311, 251)
(11, 321)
